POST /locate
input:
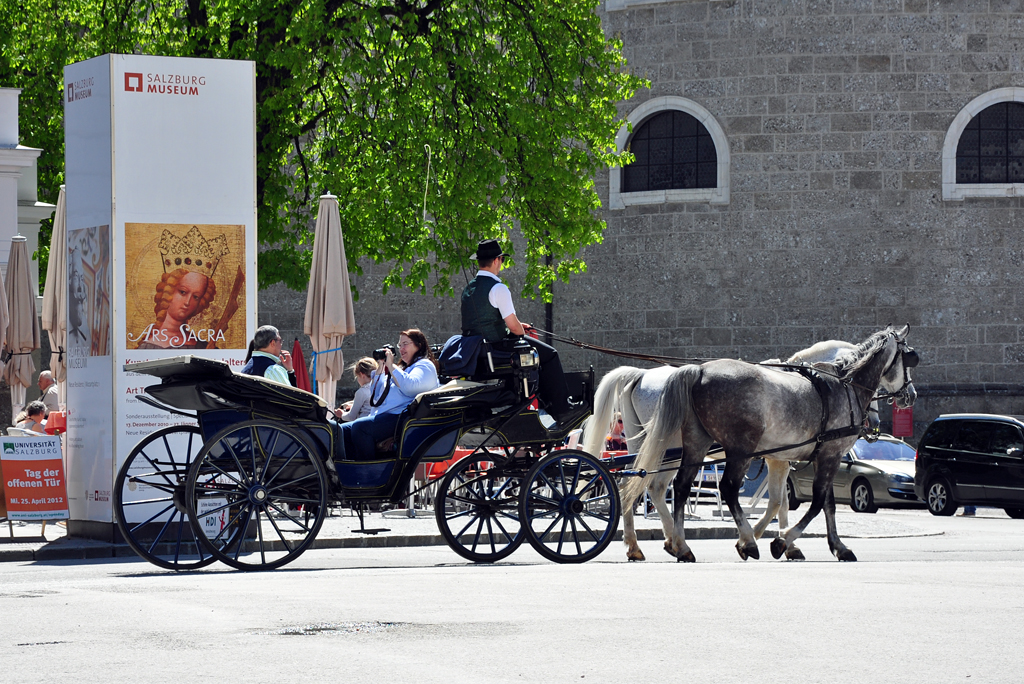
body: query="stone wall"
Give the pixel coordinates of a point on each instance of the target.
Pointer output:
(835, 113)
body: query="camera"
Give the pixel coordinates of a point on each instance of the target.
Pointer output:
(379, 354)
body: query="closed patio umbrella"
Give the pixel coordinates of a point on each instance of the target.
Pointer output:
(299, 362)
(55, 315)
(329, 317)
(23, 327)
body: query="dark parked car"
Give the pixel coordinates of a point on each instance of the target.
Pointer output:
(972, 459)
(871, 474)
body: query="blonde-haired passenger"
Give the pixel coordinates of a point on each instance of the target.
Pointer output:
(360, 407)
(180, 295)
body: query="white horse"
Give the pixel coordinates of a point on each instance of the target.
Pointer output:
(635, 392)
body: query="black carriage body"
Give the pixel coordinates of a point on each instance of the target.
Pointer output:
(429, 429)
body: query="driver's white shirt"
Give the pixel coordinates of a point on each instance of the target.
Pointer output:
(500, 297)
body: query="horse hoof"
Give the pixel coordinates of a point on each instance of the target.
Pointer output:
(749, 551)
(778, 548)
(637, 555)
(670, 549)
(687, 557)
(794, 554)
(847, 556)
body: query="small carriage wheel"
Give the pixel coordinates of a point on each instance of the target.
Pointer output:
(149, 499)
(569, 506)
(243, 491)
(477, 509)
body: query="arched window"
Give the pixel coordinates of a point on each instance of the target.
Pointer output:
(681, 152)
(673, 152)
(983, 155)
(991, 148)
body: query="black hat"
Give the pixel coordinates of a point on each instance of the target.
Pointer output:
(488, 249)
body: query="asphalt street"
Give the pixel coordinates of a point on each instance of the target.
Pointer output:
(942, 605)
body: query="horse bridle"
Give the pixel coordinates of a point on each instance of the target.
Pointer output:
(910, 359)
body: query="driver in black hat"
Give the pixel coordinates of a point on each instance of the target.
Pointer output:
(487, 310)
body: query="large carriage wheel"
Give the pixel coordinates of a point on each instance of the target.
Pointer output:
(257, 495)
(149, 501)
(477, 510)
(569, 506)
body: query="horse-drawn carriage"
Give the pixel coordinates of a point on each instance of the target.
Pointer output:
(250, 477)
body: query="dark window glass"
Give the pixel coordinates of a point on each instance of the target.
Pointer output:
(967, 170)
(673, 151)
(991, 148)
(1004, 438)
(941, 433)
(972, 437)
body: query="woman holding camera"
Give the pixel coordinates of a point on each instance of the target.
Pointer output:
(392, 388)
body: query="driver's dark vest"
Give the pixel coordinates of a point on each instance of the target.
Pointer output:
(478, 316)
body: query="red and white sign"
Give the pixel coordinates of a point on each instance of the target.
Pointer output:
(902, 422)
(33, 477)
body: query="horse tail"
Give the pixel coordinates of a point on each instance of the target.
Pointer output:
(671, 413)
(605, 399)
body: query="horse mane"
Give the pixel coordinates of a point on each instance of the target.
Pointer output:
(849, 362)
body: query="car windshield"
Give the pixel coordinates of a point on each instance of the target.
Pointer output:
(884, 451)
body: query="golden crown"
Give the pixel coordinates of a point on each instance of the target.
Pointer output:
(192, 252)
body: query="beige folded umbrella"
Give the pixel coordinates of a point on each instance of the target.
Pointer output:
(23, 327)
(55, 315)
(329, 316)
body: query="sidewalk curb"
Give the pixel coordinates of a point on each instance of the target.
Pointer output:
(88, 549)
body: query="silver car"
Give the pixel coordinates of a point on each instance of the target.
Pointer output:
(870, 475)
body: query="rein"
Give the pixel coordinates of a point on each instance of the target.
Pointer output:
(678, 361)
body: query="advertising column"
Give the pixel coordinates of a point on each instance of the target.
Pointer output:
(160, 173)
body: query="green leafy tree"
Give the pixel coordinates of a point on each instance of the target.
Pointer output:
(515, 99)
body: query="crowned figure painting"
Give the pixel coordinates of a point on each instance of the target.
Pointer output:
(195, 291)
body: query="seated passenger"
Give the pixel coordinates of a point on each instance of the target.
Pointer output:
(33, 417)
(359, 407)
(392, 388)
(268, 360)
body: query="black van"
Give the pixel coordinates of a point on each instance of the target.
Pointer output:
(972, 459)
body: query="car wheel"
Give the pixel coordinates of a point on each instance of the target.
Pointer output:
(940, 498)
(862, 499)
(1017, 513)
(794, 503)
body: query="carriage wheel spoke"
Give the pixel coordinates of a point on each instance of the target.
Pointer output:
(142, 524)
(266, 464)
(280, 469)
(147, 501)
(231, 522)
(241, 471)
(242, 529)
(576, 536)
(490, 534)
(225, 473)
(291, 482)
(503, 530)
(285, 513)
(543, 537)
(479, 529)
(142, 452)
(555, 491)
(561, 534)
(259, 532)
(280, 534)
(594, 481)
(468, 525)
(587, 528)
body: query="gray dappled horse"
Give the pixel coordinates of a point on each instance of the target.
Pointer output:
(751, 409)
(636, 390)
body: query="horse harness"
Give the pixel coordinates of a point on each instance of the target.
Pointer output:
(813, 375)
